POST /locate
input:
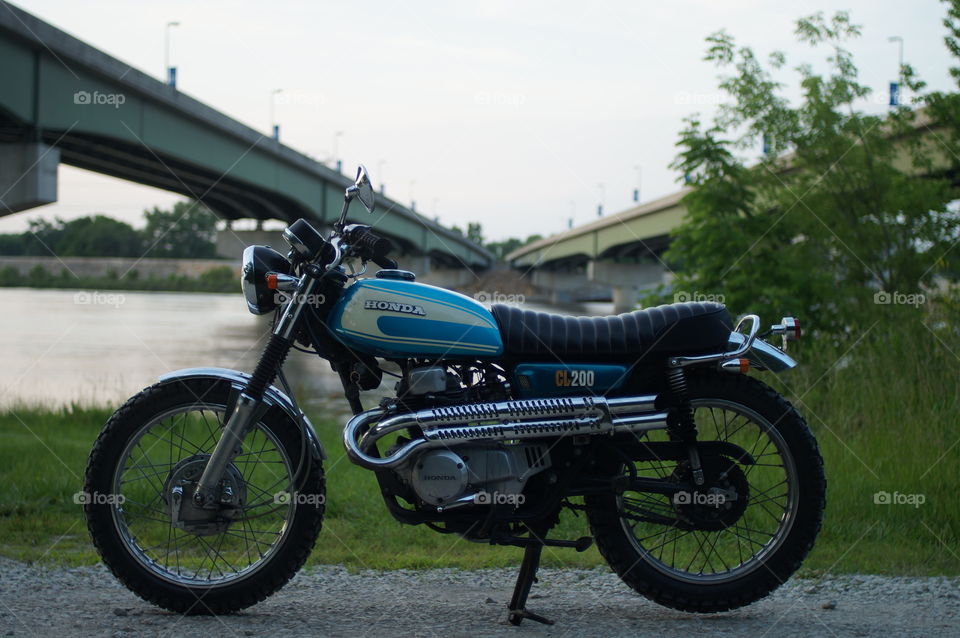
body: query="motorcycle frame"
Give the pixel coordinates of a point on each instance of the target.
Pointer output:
(257, 388)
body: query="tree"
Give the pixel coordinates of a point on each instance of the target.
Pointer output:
(43, 237)
(90, 236)
(99, 236)
(503, 248)
(825, 219)
(475, 232)
(187, 231)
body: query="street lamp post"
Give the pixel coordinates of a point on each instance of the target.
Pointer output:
(336, 158)
(896, 88)
(275, 128)
(636, 190)
(380, 174)
(171, 71)
(602, 197)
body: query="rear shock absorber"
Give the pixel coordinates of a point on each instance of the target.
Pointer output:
(685, 428)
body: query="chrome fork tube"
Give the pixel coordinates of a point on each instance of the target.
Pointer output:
(226, 449)
(241, 420)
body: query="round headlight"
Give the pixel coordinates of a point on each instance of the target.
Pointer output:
(257, 262)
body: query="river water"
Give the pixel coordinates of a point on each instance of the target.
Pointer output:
(61, 347)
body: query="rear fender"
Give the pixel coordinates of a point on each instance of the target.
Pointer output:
(762, 355)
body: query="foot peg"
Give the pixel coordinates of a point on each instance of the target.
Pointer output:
(582, 544)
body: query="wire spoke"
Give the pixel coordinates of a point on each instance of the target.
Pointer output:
(230, 542)
(735, 538)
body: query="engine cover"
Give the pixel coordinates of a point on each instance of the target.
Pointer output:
(484, 473)
(439, 476)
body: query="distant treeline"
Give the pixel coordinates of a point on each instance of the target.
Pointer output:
(499, 248)
(188, 231)
(220, 279)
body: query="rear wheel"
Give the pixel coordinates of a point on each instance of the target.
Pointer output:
(140, 478)
(740, 535)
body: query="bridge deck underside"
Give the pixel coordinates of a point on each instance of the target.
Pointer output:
(53, 92)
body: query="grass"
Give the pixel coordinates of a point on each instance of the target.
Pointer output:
(884, 409)
(39, 520)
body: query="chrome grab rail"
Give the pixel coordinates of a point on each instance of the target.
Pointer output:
(679, 361)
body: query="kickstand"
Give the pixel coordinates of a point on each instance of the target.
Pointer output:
(525, 580)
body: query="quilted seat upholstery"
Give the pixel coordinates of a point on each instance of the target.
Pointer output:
(672, 328)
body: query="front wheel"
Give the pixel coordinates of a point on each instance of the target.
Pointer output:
(145, 464)
(745, 531)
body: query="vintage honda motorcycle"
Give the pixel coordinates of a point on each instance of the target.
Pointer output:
(703, 488)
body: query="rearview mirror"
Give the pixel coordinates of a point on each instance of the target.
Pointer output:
(364, 189)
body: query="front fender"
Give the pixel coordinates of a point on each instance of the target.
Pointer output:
(272, 396)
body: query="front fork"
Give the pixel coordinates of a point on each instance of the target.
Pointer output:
(242, 417)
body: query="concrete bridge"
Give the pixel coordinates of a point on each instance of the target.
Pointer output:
(62, 100)
(619, 254)
(622, 254)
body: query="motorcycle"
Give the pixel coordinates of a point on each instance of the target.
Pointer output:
(703, 488)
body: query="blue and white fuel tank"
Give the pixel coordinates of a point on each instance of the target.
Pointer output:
(397, 318)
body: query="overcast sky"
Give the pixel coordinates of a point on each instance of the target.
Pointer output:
(509, 113)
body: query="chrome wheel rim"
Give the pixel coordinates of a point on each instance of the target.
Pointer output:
(141, 516)
(712, 557)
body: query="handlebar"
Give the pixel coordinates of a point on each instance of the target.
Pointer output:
(371, 245)
(385, 262)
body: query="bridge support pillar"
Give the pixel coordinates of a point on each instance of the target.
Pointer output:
(28, 176)
(447, 277)
(626, 279)
(625, 298)
(564, 286)
(417, 264)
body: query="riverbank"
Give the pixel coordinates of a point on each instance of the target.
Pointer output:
(44, 454)
(883, 407)
(93, 274)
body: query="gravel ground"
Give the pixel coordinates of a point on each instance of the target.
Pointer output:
(330, 601)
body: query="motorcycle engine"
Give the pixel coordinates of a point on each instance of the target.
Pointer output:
(475, 474)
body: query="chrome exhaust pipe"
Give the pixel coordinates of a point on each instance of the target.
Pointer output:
(499, 421)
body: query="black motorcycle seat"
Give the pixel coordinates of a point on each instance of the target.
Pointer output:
(672, 328)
